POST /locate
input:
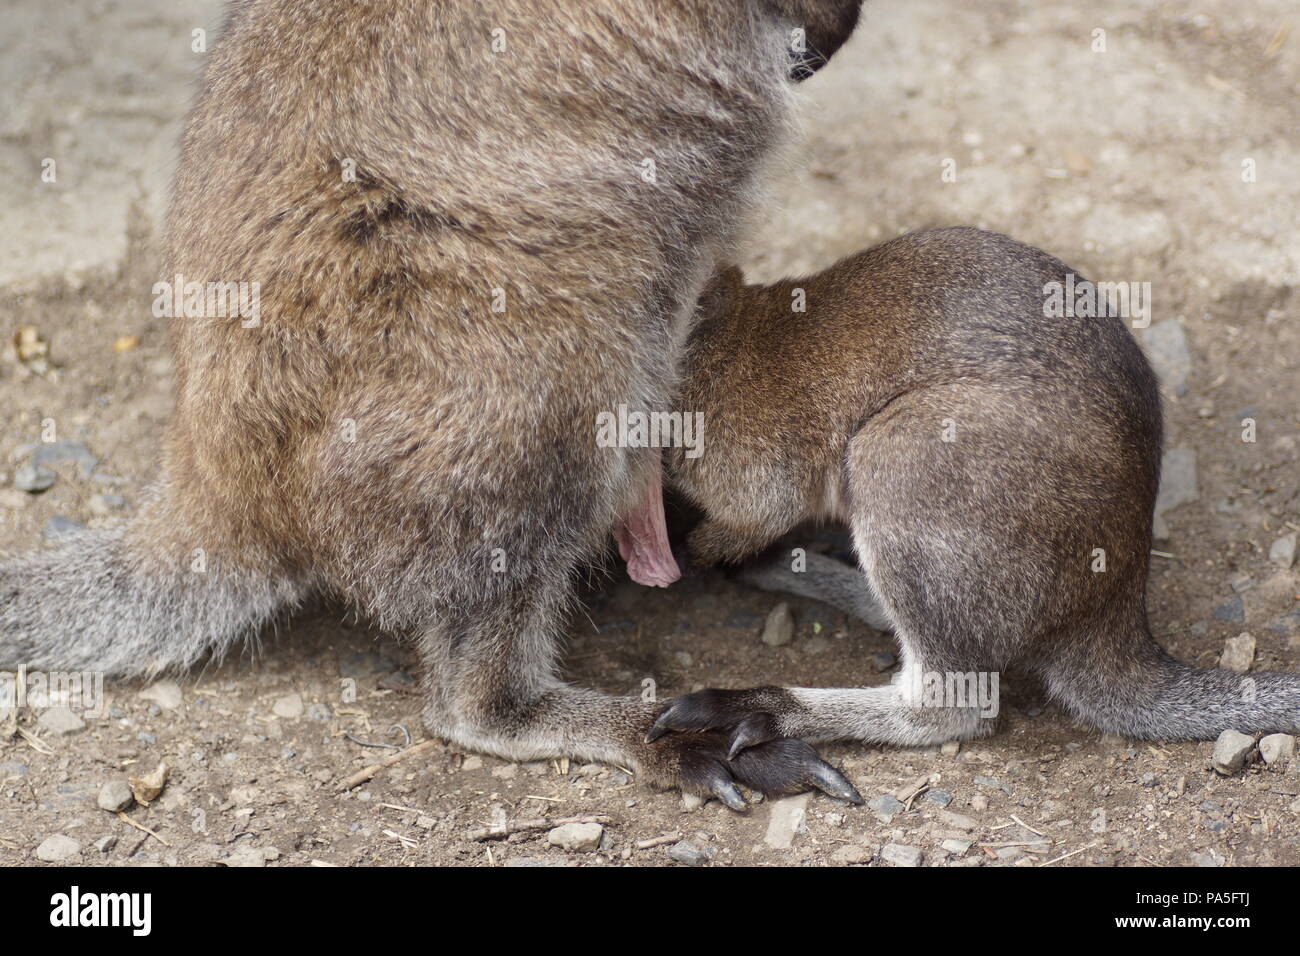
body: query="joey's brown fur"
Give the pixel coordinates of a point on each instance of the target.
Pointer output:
(465, 254)
(998, 469)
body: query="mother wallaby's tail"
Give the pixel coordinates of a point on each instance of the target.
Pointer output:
(108, 601)
(1156, 697)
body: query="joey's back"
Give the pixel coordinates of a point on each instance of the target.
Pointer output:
(944, 305)
(787, 374)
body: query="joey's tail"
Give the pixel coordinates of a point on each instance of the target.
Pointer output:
(1157, 697)
(94, 602)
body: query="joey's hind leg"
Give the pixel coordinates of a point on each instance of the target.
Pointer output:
(821, 578)
(915, 709)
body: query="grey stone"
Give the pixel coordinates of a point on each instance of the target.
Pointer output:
(1230, 752)
(63, 453)
(956, 847)
(576, 836)
(786, 817)
(57, 849)
(882, 661)
(105, 844)
(115, 795)
(1277, 749)
(683, 851)
(941, 797)
(1282, 551)
(61, 720)
(34, 480)
(885, 807)
(1238, 653)
(12, 768)
(290, 707)
(901, 855)
(166, 694)
(778, 630)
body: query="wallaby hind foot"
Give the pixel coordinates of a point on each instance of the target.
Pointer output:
(490, 685)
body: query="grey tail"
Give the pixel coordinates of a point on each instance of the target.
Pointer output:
(1162, 698)
(91, 603)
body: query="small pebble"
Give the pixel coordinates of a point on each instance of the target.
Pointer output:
(1282, 551)
(779, 627)
(688, 853)
(290, 707)
(115, 795)
(1277, 749)
(885, 807)
(576, 836)
(57, 849)
(1230, 752)
(34, 479)
(1238, 653)
(61, 720)
(900, 855)
(165, 693)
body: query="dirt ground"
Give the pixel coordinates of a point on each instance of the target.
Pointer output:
(1169, 157)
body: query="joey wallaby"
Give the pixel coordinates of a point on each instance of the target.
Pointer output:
(475, 227)
(997, 469)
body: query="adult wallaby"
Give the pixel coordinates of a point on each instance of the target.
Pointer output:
(474, 227)
(997, 464)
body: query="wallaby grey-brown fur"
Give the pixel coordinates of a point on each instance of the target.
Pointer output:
(382, 433)
(984, 456)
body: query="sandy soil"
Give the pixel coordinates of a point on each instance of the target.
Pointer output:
(1127, 163)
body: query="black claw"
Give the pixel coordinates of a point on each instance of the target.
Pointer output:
(729, 793)
(753, 730)
(833, 783)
